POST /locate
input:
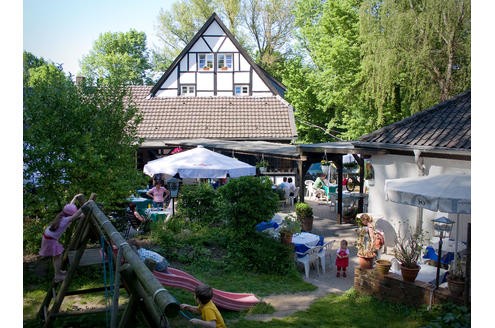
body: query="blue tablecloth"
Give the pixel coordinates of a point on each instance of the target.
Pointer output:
(266, 225)
(301, 248)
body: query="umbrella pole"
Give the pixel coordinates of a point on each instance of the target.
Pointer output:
(456, 240)
(419, 220)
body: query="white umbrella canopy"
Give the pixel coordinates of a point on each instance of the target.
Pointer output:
(447, 193)
(199, 163)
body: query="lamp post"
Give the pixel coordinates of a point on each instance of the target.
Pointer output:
(442, 227)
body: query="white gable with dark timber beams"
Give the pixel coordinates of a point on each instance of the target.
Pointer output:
(214, 64)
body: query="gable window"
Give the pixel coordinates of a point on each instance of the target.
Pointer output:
(224, 61)
(241, 90)
(205, 61)
(187, 90)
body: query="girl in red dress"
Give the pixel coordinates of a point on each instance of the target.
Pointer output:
(342, 259)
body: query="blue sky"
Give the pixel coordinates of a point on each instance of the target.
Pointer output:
(63, 31)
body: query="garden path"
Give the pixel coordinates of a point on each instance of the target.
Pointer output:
(325, 223)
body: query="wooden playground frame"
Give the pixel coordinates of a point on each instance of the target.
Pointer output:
(146, 293)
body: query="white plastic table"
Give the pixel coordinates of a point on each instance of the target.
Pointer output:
(305, 238)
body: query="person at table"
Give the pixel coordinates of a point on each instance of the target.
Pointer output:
(138, 222)
(159, 194)
(319, 184)
(292, 187)
(284, 185)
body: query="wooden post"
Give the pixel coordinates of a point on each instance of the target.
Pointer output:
(162, 298)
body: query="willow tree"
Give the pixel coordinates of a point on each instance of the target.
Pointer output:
(415, 54)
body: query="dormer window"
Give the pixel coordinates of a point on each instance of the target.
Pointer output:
(205, 61)
(224, 62)
(241, 90)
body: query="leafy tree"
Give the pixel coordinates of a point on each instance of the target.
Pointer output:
(329, 31)
(77, 138)
(118, 58)
(415, 54)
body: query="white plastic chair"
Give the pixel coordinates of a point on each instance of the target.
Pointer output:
(291, 198)
(310, 257)
(309, 189)
(326, 252)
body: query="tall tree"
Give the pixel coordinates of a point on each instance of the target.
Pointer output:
(77, 138)
(415, 54)
(329, 31)
(120, 58)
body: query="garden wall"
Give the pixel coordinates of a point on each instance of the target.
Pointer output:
(393, 289)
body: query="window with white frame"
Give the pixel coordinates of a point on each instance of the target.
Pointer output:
(187, 90)
(224, 61)
(241, 90)
(205, 61)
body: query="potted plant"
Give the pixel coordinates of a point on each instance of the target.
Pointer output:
(289, 226)
(456, 279)
(304, 214)
(262, 165)
(407, 251)
(365, 241)
(325, 165)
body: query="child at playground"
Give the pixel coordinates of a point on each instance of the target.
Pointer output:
(210, 316)
(146, 254)
(342, 259)
(50, 246)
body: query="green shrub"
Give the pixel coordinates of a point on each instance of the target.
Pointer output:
(262, 254)
(447, 315)
(303, 211)
(199, 202)
(247, 201)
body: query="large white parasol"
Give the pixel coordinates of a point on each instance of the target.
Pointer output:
(199, 163)
(448, 193)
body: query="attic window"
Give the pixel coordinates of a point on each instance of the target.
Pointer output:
(205, 61)
(241, 90)
(224, 62)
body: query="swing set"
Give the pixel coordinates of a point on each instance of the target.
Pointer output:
(146, 293)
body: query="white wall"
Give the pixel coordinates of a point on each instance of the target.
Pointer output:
(400, 216)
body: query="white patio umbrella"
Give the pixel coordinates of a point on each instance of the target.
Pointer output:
(448, 193)
(199, 163)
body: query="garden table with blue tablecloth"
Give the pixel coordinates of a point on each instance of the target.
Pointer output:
(305, 240)
(155, 214)
(141, 203)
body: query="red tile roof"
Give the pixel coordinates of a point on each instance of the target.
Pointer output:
(232, 118)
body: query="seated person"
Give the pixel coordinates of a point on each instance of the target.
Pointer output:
(137, 221)
(146, 254)
(319, 184)
(292, 187)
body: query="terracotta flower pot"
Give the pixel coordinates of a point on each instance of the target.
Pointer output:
(383, 266)
(365, 262)
(409, 274)
(456, 287)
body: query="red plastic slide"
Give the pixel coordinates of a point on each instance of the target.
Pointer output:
(225, 300)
